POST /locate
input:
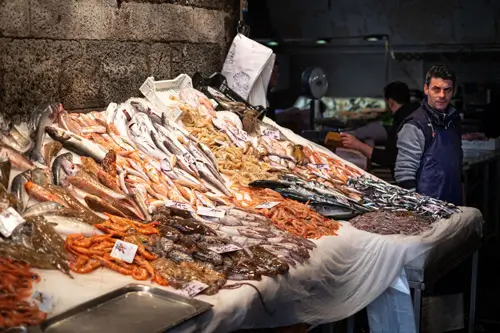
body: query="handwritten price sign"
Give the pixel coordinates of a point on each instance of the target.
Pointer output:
(273, 134)
(211, 212)
(224, 248)
(192, 288)
(178, 205)
(124, 251)
(267, 205)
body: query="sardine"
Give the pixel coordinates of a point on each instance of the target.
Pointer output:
(44, 119)
(76, 144)
(18, 190)
(5, 167)
(18, 161)
(50, 150)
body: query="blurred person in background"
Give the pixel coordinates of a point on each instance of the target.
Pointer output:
(397, 97)
(429, 158)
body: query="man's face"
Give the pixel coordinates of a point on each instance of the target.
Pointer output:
(439, 93)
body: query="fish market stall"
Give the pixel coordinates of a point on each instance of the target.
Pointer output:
(221, 206)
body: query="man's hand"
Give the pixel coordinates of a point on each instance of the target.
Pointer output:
(351, 142)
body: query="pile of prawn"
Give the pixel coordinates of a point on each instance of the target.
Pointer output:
(94, 252)
(289, 215)
(15, 289)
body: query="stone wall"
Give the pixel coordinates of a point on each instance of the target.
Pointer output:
(87, 53)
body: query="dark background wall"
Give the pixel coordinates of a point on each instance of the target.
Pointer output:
(357, 68)
(87, 53)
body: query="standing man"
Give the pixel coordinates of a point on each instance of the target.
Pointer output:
(397, 97)
(429, 144)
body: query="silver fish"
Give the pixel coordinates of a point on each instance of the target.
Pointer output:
(41, 208)
(76, 144)
(209, 177)
(65, 225)
(61, 164)
(18, 190)
(46, 117)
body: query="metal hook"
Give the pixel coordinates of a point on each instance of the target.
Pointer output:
(243, 28)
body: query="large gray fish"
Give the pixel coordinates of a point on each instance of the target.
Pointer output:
(41, 208)
(76, 144)
(37, 124)
(18, 190)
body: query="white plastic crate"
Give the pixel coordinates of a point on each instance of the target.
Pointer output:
(491, 144)
(158, 93)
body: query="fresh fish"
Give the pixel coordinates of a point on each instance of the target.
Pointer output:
(90, 166)
(66, 225)
(16, 141)
(91, 185)
(19, 191)
(38, 122)
(138, 107)
(97, 204)
(47, 239)
(110, 112)
(41, 208)
(211, 257)
(50, 150)
(23, 235)
(109, 163)
(179, 256)
(27, 255)
(72, 202)
(209, 177)
(109, 181)
(40, 176)
(208, 152)
(18, 161)
(61, 163)
(5, 167)
(40, 193)
(159, 143)
(76, 144)
(65, 122)
(93, 129)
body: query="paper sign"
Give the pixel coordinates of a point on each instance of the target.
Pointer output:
(224, 248)
(267, 204)
(189, 158)
(178, 205)
(212, 212)
(9, 220)
(124, 251)
(192, 288)
(44, 302)
(319, 166)
(273, 134)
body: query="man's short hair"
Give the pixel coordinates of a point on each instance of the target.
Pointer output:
(440, 72)
(398, 91)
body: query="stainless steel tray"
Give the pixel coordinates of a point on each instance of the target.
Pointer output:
(133, 308)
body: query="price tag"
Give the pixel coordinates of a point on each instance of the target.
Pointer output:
(44, 302)
(124, 251)
(212, 212)
(273, 134)
(9, 220)
(178, 205)
(224, 248)
(267, 204)
(319, 166)
(192, 288)
(189, 158)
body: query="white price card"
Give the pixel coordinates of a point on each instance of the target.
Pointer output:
(44, 302)
(178, 205)
(224, 248)
(319, 166)
(272, 133)
(189, 158)
(267, 204)
(211, 212)
(192, 288)
(124, 251)
(9, 220)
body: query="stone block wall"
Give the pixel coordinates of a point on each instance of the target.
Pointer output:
(87, 53)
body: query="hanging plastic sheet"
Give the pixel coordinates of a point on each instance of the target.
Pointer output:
(248, 68)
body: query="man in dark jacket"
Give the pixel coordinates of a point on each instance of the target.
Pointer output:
(397, 97)
(429, 144)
